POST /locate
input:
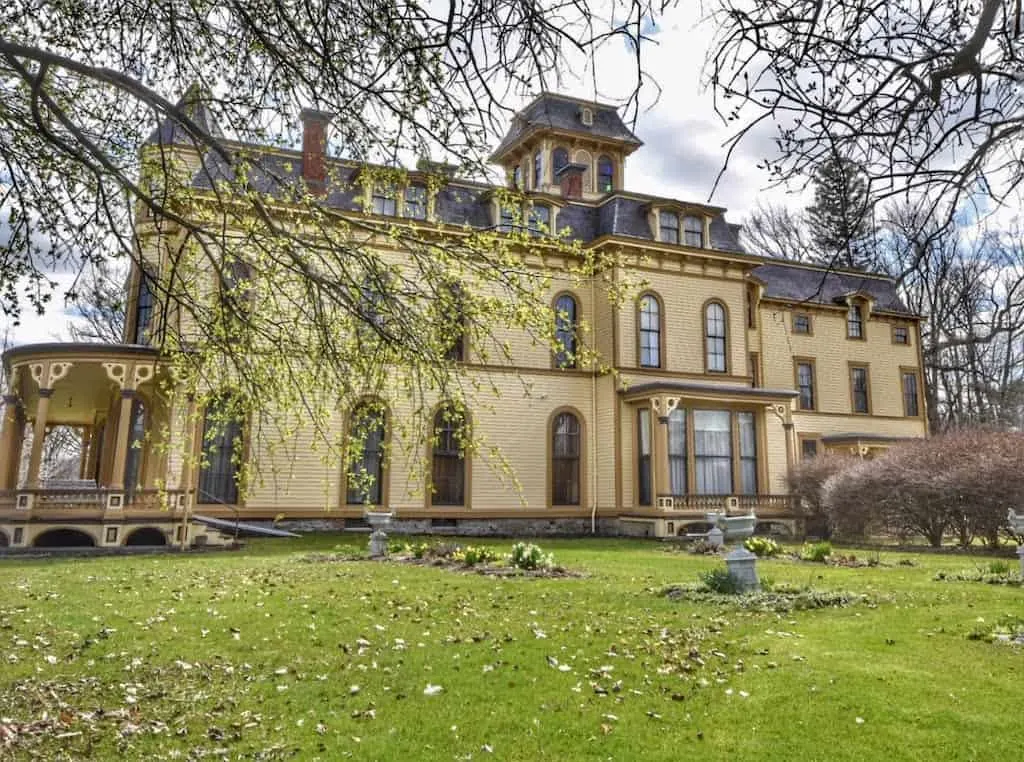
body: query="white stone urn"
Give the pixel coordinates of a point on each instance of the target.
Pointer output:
(733, 527)
(378, 520)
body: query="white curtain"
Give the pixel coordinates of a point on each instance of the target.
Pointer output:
(677, 452)
(713, 451)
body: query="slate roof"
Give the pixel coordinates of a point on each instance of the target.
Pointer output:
(793, 282)
(170, 132)
(558, 112)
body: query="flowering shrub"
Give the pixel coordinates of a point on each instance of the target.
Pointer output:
(816, 551)
(526, 555)
(762, 547)
(472, 555)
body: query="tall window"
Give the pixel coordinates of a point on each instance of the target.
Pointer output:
(222, 441)
(384, 201)
(559, 158)
(416, 202)
(854, 322)
(538, 170)
(748, 453)
(693, 231)
(801, 323)
(649, 313)
(712, 451)
(605, 175)
(136, 436)
(668, 227)
(565, 460)
(911, 405)
(677, 451)
(366, 464)
(517, 177)
(448, 472)
(565, 331)
(714, 337)
(859, 389)
(144, 309)
(454, 317)
(540, 218)
(643, 457)
(805, 383)
(508, 219)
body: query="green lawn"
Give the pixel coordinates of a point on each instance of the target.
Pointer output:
(261, 654)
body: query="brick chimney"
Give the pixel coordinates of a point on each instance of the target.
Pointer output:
(314, 149)
(570, 179)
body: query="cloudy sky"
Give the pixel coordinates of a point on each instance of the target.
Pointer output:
(683, 137)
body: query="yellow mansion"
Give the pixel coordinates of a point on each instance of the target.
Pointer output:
(728, 369)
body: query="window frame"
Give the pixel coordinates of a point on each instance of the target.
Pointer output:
(809, 361)
(638, 443)
(640, 330)
(686, 232)
(901, 327)
(914, 372)
(538, 169)
(580, 458)
(853, 366)
(708, 337)
(374, 406)
(533, 225)
(556, 153)
(464, 455)
(423, 201)
(856, 308)
(141, 329)
(813, 438)
(810, 324)
(573, 329)
(603, 161)
(381, 192)
(664, 214)
(238, 439)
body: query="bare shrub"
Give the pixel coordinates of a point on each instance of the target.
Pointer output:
(807, 481)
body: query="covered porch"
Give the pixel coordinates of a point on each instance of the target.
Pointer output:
(84, 440)
(700, 449)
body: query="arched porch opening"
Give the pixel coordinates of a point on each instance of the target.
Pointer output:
(146, 536)
(64, 538)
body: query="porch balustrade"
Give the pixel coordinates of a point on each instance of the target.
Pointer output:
(95, 499)
(744, 504)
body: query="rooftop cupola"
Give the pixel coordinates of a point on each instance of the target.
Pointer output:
(566, 146)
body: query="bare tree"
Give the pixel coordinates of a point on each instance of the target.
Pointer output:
(924, 95)
(100, 307)
(777, 231)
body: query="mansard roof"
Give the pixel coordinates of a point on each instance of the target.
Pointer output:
(559, 112)
(797, 282)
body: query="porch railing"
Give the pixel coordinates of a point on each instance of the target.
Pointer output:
(735, 504)
(97, 498)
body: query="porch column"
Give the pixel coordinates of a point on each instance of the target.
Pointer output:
(660, 456)
(10, 449)
(790, 452)
(124, 430)
(38, 438)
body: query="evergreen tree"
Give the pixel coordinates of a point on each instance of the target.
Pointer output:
(840, 219)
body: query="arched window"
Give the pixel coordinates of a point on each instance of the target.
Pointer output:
(365, 474)
(559, 158)
(714, 337)
(649, 323)
(448, 467)
(222, 450)
(538, 170)
(565, 460)
(136, 437)
(693, 231)
(565, 331)
(144, 309)
(605, 175)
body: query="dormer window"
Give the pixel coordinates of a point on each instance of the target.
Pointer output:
(855, 322)
(540, 219)
(384, 201)
(587, 117)
(605, 175)
(693, 231)
(415, 202)
(668, 226)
